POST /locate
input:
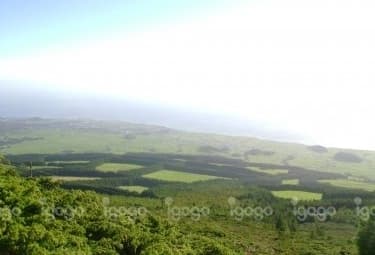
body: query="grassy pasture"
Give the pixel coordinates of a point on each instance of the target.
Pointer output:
(112, 140)
(72, 178)
(138, 189)
(69, 162)
(90, 141)
(117, 167)
(173, 176)
(300, 195)
(269, 171)
(46, 167)
(356, 178)
(218, 164)
(290, 182)
(350, 184)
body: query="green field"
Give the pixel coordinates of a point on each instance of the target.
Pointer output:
(81, 136)
(269, 171)
(173, 176)
(117, 167)
(250, 236)
(46, 167)
(92, 141)
(138, 189)
(67, 162)
(356, 178)
(72, 178)
(350, 184)
(296, 194)
(290, 182)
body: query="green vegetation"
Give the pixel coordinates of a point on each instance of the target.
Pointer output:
(290, 182)
(46, 167)
(68, 162)
(81, 136)
(366, 238)
(179, 175)
(116, 167)
(345, 183)
(356, 178)
(138, 189)
(30, 224)
(212, 166)
(173, 176)
(218, 232)
(269, 171)
(72, 178)
(297, 194)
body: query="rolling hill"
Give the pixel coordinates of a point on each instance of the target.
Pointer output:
(49, 136)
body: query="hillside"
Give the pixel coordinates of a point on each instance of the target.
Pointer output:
(39, 218)
(96, 187)
(26, 136)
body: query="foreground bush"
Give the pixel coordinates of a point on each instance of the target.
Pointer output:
(37, 217)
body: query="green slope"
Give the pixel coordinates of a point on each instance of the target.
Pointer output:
(57, 136)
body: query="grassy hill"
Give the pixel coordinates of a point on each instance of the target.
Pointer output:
(208, 217)
(86, 136)
(204, 193)
(39, 218)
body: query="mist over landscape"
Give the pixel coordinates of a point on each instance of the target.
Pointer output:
(310, 79)
(201, 127)
(18, 103)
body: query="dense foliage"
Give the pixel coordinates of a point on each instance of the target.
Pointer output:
(37, 217)
(366, 238)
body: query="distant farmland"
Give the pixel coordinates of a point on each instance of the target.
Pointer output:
(116, 167)
(173, 176)
(296, 194)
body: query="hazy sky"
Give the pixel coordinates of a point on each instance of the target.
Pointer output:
(307, 66)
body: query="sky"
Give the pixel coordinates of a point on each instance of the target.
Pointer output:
(304, 66)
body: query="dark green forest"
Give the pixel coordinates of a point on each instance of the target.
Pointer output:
(42, 216)
(38, 217)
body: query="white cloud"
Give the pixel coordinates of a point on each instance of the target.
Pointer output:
(305, 65)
